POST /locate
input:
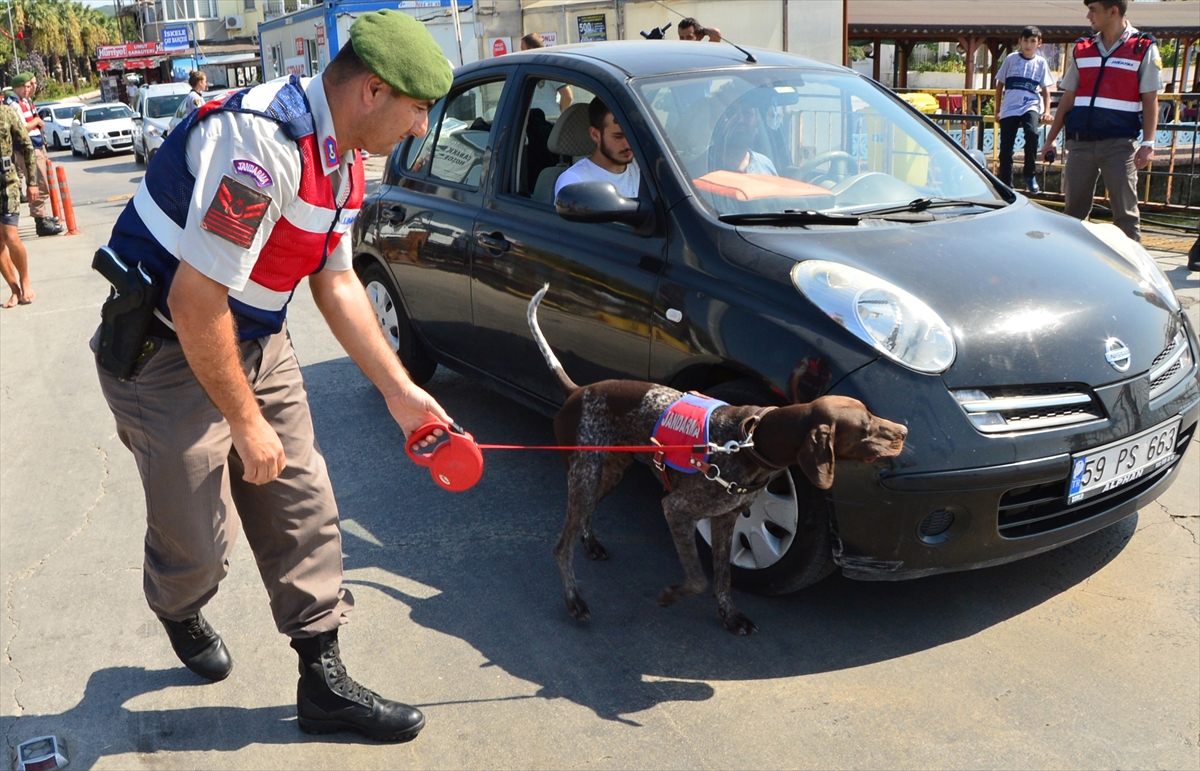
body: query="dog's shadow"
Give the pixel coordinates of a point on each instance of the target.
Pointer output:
(488, 552)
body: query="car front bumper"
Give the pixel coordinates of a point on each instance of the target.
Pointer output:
(1008, 501)
(112, 144)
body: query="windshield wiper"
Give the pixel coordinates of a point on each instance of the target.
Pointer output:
(791, 217)
(932, 202)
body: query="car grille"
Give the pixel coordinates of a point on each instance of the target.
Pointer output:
(122, 133)
(1036, 509)
(1011, 409)
(1172, 366)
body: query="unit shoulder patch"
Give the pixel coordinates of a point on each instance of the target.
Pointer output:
(261, 176)
(236, 212)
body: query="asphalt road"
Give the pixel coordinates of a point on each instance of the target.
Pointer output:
(1085, 657)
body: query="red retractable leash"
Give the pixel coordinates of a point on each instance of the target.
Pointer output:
(455, 460)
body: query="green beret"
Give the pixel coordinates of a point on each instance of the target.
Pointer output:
(22, 78)
(399, 49)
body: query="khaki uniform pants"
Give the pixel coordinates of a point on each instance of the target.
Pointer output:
(195, 494)
(37, 209)
(1112, 159)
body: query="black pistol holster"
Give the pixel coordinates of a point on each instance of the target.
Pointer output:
(126, 314)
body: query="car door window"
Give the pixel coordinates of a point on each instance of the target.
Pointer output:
(543, 154)
(462, 135)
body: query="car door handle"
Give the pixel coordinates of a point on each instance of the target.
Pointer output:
(392, 213)
(493, 241)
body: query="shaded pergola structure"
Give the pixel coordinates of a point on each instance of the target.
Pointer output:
(996, 26)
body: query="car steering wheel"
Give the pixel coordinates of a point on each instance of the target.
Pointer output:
(842, 161)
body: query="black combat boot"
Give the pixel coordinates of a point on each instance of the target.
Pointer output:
(1031, 184)
(48, 226)
(199, 647)
(328, 700)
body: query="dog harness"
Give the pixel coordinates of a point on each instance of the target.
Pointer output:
(685, 422)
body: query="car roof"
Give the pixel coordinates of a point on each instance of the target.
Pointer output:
(642, 58)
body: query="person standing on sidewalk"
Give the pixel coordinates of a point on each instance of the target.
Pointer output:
(1021, 78)
(14, 263)
(255, 193)
(24, 86)
(199, 82)
(1110, 95)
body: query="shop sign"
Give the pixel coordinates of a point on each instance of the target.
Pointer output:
(299, 46)
(128, 50)
(175, 39)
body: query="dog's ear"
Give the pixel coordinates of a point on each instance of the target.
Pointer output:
(816, 456)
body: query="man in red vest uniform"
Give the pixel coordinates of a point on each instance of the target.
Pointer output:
(1110, 97)
(247, 197)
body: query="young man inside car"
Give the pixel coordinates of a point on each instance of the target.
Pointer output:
(613, 159)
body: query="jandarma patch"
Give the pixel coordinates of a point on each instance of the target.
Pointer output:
(251, 169)
(236, 212)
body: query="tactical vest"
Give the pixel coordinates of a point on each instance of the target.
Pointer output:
(311, 226)
(1108, 102)
(24, 108)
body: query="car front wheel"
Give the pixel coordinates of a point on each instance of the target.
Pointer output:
(397, 329)
(782, 543)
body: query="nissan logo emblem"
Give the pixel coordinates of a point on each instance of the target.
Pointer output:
(1116, 353)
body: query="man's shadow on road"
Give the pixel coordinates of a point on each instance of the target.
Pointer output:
(100, 725)
(488, 552)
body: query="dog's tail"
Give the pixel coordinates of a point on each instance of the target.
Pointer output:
(564, 382)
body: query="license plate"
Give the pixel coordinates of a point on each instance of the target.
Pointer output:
(1107, 468)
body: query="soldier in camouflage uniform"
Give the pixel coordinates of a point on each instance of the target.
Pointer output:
(14, 264)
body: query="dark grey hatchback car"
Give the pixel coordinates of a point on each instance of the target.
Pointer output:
(1043, 366)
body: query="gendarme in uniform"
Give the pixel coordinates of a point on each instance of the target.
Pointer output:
(13, 136)
(1102, 127)
(254, 193)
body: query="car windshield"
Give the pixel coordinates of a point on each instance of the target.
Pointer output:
(106, 113)
(772, 140)
(163, 106)
(63, 114)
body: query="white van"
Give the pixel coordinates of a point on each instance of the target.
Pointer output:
(153, 107)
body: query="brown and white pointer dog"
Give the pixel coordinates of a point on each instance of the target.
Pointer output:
(624, 412)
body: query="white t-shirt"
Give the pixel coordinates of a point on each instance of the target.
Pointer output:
(627, 182)
(1023, 78)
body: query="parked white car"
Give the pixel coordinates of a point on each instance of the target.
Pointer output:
(57, 118)
(104, 127)
(153, 106)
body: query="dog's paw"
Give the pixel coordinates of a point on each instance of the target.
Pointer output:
(595, 550)
(739, 623)
(577, 607)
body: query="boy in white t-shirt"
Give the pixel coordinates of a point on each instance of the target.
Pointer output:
(613, 159)
(1018, 82)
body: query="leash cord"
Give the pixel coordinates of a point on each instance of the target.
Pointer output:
(711, 447)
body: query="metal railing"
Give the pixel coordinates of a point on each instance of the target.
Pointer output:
(1168, 184)
(274, 8)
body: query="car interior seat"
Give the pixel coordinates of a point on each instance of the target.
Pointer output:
(571, 138)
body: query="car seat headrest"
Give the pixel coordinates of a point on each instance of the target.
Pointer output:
(570, 135)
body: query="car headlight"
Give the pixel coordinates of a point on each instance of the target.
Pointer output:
(881, 314)
(1137, 255)
(154, 131)
(95, 136)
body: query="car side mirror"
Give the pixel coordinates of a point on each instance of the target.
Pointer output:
(595, 202)
(977, 155)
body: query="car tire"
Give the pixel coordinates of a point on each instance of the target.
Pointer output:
(88, 153)
(787, 528)
(138, 157)
(394, 322)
